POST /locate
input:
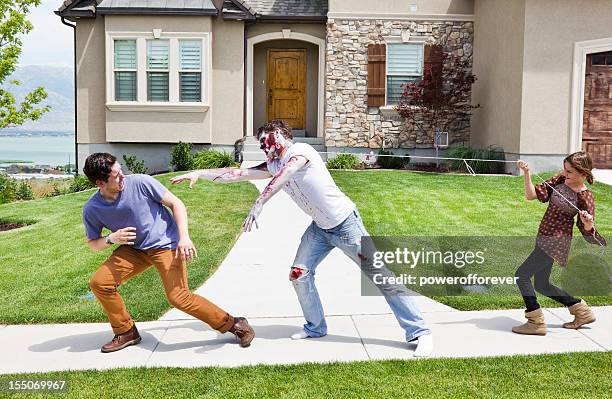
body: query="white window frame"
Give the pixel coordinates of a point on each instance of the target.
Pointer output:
(147, 69)
(200, 71)
(115, 69)
(173, 105)
(399, 40)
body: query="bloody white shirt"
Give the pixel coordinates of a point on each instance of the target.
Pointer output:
(313, 189)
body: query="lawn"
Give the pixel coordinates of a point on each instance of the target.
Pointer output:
(577, 375)
(47, 265)
(399, 203)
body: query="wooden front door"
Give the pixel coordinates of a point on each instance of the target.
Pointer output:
(287, 86)
(597, 122)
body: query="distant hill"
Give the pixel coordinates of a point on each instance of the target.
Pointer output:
(59, 84)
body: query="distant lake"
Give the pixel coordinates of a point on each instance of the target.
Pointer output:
(42, 150)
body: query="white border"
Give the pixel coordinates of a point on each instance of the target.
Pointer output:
(581, 49)
(401, 16)
(251, 42)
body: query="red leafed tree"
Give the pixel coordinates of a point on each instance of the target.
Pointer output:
(442, 98)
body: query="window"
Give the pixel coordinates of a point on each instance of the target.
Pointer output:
(601, 59)
(125, 70)
(158, 72)
(190, 71)
(404, 65)
(168, 72)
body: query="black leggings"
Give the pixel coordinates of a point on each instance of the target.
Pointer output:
(539, 265)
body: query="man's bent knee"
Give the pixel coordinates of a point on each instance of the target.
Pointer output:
(297, 272)
(99, 283)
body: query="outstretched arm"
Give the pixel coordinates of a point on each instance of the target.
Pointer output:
(530, 192)
(278, 181)
(224, 175)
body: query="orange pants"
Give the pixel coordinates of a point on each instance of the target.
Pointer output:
(127, 262)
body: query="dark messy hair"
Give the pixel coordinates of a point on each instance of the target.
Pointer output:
(276, 124)
(98, 166)
(582, 163)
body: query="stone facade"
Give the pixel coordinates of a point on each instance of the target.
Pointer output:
(349, 122)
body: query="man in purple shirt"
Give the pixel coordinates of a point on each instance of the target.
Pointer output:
(135, 210)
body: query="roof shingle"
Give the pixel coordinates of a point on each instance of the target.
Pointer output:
(200, 7)
(287, 8)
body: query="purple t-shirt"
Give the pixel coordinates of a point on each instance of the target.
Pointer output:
(138, 205)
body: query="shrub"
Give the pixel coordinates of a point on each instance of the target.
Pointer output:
(343, 161)
(475, 153)
(135, 165)
(57, 190)
(212, 159)
(391, 162)
(80, 183)
(8, 189)
(24, 192)
(182, 158)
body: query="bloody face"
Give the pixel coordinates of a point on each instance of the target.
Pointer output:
(273, 144)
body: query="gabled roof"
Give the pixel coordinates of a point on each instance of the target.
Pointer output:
(315, 10)
(167, 7)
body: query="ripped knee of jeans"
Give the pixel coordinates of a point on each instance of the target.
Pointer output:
(297, 272)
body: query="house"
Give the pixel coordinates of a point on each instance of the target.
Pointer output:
(151, 73)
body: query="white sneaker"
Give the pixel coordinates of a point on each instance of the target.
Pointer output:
(300, 335)
(424, 346)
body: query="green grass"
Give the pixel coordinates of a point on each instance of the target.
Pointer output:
(577, 375)
(46, 266)
(400, 203)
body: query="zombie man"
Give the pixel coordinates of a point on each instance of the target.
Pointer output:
(299, 170)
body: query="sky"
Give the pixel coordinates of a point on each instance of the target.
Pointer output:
(50, 42)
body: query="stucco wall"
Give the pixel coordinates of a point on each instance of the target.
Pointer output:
(91, 84)
(169, 127)
(227, 103)
(317, 30)
(498, 66)
(146, 23)
(403, 6)
(552, 28)
(260, 81)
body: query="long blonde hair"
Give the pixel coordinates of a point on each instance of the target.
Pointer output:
(582, 163)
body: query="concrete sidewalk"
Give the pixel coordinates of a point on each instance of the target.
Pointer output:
(253, 282)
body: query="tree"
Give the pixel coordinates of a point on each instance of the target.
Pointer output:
(14, 24)
(442, 98)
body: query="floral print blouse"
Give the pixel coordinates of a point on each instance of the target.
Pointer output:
(556, 227)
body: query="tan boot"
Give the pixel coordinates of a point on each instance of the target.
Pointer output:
(535, 324)
(582, 315)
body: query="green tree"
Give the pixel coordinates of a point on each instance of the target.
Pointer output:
(13, 25)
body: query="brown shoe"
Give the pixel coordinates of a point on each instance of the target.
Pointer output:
(535, 324)
(130, 337)
(582, 315)
(243, 331)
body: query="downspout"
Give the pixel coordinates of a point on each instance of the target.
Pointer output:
(76, 146)
(244, 80)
